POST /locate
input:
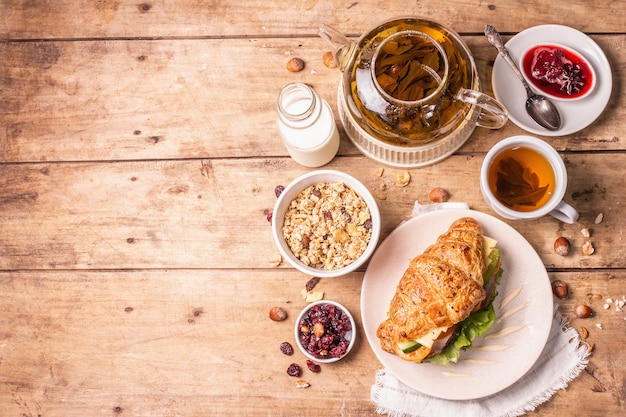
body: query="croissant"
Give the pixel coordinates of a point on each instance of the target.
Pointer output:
(440, 288)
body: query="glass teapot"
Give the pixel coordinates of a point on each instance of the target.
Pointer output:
(410, 83)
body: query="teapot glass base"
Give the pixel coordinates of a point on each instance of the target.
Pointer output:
(403, 156)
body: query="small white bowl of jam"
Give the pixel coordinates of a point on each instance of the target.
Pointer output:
(558, 71)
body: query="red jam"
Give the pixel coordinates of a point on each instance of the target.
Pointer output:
(558, 71)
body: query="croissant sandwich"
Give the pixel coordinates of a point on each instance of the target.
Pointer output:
(445, 297)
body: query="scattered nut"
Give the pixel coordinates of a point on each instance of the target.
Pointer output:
(278, 314)
(599, 218)
(301, 383)
(585, 232)
(295, 65)
(379, 172)
(311, 296)
(599, 326)
(329, 60)
(559, 288)
(318, 330)
(596, 296)
(591, 347)
(587, 248)
(584, 333)
(381, 193)
(276, 260)
(583, 311)
(561, 246)
(403, 179)
(438, 195)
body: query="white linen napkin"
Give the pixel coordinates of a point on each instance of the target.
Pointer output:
(562, 360)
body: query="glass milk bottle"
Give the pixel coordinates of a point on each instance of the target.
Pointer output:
(307, 125)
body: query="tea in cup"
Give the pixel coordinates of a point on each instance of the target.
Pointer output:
(523, 178)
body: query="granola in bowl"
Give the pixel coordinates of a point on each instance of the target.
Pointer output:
(327, 226)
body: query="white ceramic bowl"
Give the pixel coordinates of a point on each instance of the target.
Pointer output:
(350, 335)
(290, 193)
(590, 72)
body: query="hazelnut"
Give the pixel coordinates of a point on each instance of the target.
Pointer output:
(295, 65)
(561, 246)
(318, 330)
(329, 60)
(559, 288)
(278, 314)
(583, 311)
(438, 195)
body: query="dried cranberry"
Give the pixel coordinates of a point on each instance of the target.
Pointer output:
(279, 190)
(294, 370)
(269, 217)
(312, 283)
(313, 367)
(367, 224)
(346, 214)
(286, 348)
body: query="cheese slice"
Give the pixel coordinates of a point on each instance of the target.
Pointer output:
(488, 244)
(429, 339)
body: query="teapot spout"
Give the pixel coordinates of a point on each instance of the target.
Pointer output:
(342, 48)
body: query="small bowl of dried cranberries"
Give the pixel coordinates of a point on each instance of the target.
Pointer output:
(325, 331)
(558, 71)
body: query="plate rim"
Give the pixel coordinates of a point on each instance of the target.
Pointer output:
(539, 340)
(558, 34)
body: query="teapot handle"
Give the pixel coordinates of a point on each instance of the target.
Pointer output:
(493, 115)
(343, 49)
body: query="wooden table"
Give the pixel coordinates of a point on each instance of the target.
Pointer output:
(138, 160)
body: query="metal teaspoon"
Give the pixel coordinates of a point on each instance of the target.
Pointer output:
(538, 107)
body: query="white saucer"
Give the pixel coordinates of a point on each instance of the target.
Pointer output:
(576, 114)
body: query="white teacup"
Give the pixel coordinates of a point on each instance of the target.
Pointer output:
(523, 178)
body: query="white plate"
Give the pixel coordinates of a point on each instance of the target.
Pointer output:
(524, 310)
(576, 114)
